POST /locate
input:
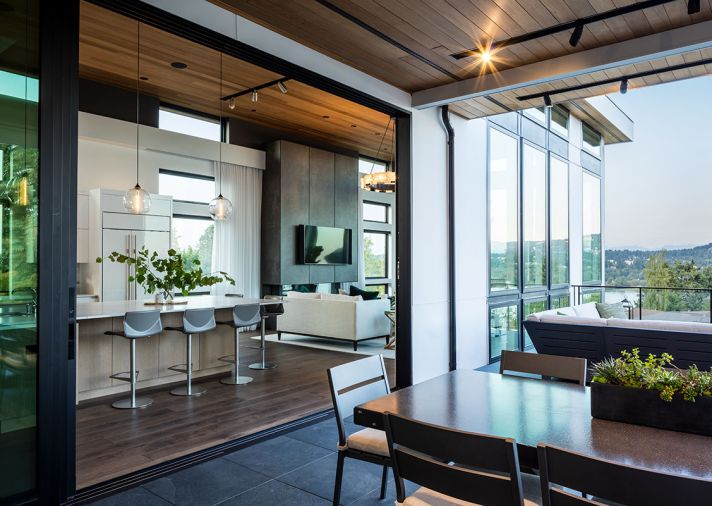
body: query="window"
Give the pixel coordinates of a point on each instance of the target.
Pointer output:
(373, 211)
(559, 221)
(591, 141)
(592, 257)
(591, 297)
(534, 216)
(366, 166)
(375, 254)
(186, 187)
(381, 288)
(503, 211)
(532, 306)
(560, 120)
(192, 229)
(195, 125)
(559, 301)
(536, 113)
(504, 329)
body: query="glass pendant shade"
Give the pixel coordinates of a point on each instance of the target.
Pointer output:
(379, 182)
(220, 208)
(137, 200)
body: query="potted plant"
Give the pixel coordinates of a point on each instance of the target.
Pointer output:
(164, 276)
(652, 392)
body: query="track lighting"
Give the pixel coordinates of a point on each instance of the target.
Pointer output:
(547, 102)
(624, 86)
(255, 97)
(693, 6)
(231, 103)
(576, 35)
(282, 87)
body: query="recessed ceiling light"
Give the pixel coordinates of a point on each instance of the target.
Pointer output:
(353, 126)
(326, 117)
(253, 110)
(179, 65)
(143, 78)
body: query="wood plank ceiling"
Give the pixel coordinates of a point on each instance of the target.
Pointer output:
(435, 29)
(107, 54)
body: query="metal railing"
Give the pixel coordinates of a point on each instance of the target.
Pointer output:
(652, 302)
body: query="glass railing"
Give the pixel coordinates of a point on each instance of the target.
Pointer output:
(652, 303)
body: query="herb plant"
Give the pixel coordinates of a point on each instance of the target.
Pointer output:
(168, 274)
(654, 373)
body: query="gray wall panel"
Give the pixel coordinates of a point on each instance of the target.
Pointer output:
(346, 211)
(271, 230)
(295, 209)
(321, 204)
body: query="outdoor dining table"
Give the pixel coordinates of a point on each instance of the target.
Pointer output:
(531, 411)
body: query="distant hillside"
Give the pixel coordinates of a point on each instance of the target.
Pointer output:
(625, 267)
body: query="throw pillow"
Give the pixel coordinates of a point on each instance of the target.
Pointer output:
(615, 310)
(354, 290)
(304, 288)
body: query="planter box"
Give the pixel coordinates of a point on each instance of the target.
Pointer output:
(645, 407)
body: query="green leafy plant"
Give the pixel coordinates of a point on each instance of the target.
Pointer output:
(166, 275)
(654, 373)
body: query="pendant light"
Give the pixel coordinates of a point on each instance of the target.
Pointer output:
(220, 208)
(384, 182)
(136, 199)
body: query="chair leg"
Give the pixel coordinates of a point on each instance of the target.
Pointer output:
(132, 402)
(384, 483)
(263, 364)
(339, 475)
(188, 390)
(235, 378)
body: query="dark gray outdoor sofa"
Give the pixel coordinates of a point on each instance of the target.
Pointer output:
(595, 338)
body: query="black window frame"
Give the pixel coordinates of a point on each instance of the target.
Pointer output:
(584, 145)
(386, 208)
(387, 257)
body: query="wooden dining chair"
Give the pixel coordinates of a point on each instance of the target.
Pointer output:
(353, 384)
(563, 472)
(454, 468)
(552, 366)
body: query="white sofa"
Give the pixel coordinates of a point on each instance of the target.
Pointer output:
(334, 316)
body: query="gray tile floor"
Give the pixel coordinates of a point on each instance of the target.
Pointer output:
(294, 469)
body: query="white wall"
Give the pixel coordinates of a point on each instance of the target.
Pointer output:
(107, 154)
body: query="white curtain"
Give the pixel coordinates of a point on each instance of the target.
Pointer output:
(236, 246)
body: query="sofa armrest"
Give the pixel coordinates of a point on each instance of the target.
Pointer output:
(371, 320)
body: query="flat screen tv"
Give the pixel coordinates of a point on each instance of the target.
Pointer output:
(324, 245)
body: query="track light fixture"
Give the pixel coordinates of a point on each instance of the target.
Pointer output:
(547, 102)
(231, 103)
(623, 80)
(253, 92)
(624, 86)
(282, 87)
(693, 6)
(576, 35)
(255, 97)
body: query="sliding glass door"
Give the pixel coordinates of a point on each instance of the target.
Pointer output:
(19, 159)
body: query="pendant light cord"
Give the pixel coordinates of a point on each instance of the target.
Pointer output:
(138, 79)
(222, 130)
(383, 138)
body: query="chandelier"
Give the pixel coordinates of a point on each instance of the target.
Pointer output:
(384, 182)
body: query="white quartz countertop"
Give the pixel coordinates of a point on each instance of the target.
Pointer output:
(114, 309)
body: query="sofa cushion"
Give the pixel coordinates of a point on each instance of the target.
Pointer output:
(615, 310)
(573, 320)
(694, 327)
(587, 310)
(354, 290)
(565, 311)
(337, 296)
(303, 295)
(562, 311)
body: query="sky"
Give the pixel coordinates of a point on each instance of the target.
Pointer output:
(658, 188)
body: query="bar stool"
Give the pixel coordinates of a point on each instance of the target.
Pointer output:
(195, 321)
(243, 315)
(266, 312)
(137, 324)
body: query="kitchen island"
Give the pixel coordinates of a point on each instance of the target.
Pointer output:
(100, 355)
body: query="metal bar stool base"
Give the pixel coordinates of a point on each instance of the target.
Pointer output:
(141, 402)
(262, 365)
(183, 391)
(240, 380)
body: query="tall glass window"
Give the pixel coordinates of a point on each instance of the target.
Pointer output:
(592, 257)
(560, 121)
(532, 306)
(504, 329)
(559, 221)
(19, 164)
(591, 141)
(503, 211)
(534, 230)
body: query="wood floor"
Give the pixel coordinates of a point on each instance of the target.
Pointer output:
(112, 442)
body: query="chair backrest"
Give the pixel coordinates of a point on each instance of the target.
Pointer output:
(244, 315)
(272, 309)
(471, 467)
(553, 366)
(355, 383)
(142, 323)
(610, 481)
(198, 320)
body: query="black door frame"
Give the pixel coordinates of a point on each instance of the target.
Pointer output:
(58, 139)
(58, 105)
